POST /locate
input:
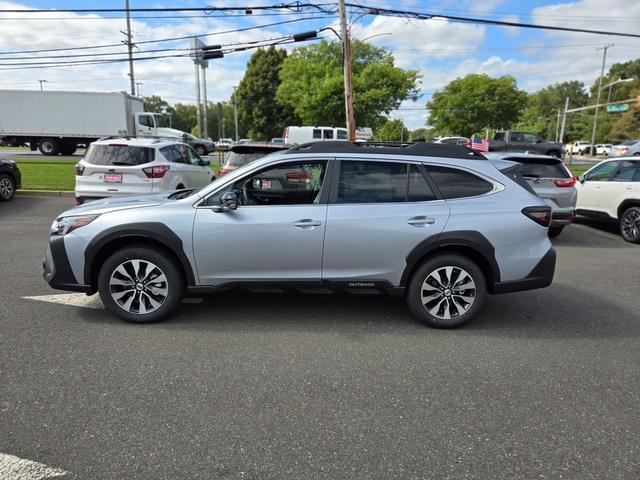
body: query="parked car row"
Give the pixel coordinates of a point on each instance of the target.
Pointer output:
(626, 149)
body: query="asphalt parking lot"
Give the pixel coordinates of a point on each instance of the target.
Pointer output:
(543, 384)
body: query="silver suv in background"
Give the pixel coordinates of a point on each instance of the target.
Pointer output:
(438, 224)
(117, 167)
(552, 181)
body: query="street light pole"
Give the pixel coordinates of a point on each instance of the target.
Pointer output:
(564, 119)
(595, 115)
(235, 110)
(346, 63)
(130, 48)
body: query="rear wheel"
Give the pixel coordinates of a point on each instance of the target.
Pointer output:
(49, 146)
(555, 231)
(7, 187)
(554, 153)
(447, 291)
(68, 149)
(140, 284)
(630, 225)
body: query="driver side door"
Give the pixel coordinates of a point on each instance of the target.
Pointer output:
(275, 234)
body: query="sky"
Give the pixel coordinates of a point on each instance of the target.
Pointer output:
(439, 49)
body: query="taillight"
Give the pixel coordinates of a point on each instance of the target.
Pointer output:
(79, 170)
(223, 171)
(540, 215)
(566, 183)
(297, 177)
(156, 172)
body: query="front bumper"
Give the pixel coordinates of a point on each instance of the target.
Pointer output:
(57, 270)
(541, 276)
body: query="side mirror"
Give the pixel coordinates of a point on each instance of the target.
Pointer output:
(581, 178)
(539, 140)
(229, 200)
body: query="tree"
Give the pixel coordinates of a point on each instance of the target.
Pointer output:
(474, 103)
(541, 113)
(392, 131)
(156, 104)
(259, 111)
(184, 117)
(421, 134)
(312, 84)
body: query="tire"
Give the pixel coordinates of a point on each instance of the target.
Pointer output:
(637, 154)
(200, 150)
(434, 312)
(555, 154)
(49, 146)
(68, 149)
(555, 231)
(630, 225)
(7, 187)
(159, 298)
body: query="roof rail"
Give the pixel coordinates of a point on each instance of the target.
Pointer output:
(392, 148)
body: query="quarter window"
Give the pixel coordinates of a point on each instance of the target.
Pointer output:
(454, 183)
(419, 189)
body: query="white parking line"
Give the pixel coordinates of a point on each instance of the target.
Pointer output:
(16, 468)
(84, 301)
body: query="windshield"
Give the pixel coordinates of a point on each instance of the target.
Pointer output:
(118, 155)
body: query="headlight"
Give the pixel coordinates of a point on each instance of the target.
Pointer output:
(64, 225)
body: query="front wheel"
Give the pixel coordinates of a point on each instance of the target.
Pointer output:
(555, 154)
(630, 225)
(7, 187)
(140, 284)
(447, 291)
(49, 147)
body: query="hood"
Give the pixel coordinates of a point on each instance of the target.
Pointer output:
(107, 205)
(170, 132)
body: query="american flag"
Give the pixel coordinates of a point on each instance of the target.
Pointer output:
(479, 144)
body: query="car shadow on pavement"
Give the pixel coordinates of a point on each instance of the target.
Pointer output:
(559, 311)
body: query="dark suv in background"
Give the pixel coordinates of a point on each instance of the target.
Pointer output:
(10, 179)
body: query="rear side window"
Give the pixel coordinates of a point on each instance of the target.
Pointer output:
(628, 171)
(499, 136)
(541, 168)
(454, 183)
(382, 182)
(317, 133)
(118, 155)
(328, 134)
(372, 182)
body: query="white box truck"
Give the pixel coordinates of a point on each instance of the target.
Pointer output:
(57, 122)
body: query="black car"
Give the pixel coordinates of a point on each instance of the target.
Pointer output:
(244, 153)
(200, 145)
(10, 179)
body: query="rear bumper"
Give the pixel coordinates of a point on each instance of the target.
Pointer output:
(57, 270)
(560, 218)
(541, 276)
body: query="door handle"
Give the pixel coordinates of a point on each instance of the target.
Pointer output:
(421, 220)
(307, 223)
(629, 187)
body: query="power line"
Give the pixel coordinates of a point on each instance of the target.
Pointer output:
(388, 12)
(172, 39)
(295, 6)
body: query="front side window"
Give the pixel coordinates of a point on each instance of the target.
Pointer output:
(341, 134)
(601, 173)
(454, 183)
(628, 171)
(285, 184)
(530, 138)
(146, 120)
(192, 156)
(517, 137)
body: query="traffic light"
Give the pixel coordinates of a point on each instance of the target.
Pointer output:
(212, 51)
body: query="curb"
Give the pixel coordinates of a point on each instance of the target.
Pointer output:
(46, 193)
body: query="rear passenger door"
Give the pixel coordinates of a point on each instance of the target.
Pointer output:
(378, 212)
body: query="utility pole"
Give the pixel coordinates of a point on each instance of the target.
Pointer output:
(346, 61)
(595, 115)
(564, 119)
(198, 99)
(130, 48)
(235, 110)
(557, 125)
(205, 107)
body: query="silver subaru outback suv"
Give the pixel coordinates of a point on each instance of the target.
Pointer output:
(440, 224)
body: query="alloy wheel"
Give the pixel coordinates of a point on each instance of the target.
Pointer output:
(631, 224)
(448, 292)
(138, 286)
(6, 188)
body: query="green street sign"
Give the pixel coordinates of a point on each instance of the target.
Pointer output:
(623, 107)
